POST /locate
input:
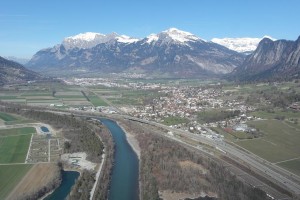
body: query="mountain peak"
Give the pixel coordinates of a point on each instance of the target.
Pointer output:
(267, 36)
(178, 35)
(88, 36)
(176, 30)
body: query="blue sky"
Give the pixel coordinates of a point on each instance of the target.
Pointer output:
(27, 26)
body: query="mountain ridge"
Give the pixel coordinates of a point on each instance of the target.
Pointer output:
(272, 60)
(11, 72)
(171, 51)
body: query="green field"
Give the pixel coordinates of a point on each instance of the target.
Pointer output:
(174, 120)
(96, 101)
(272, 115)
(280, 141)
(13, 149)
(292, 165)
(233, 135)
(10, 176)
(133, 97)
(6, 117)
(17, 131)
(12, 119)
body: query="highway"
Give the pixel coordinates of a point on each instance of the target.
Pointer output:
(270, 171)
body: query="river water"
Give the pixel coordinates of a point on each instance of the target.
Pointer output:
(125, 172)
(68, 180)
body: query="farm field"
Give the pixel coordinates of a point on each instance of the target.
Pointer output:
(48, 95)
(13, 149)
(10, 176)
(280, 141)
(97, 101)
(272, 115)
(10, 119)
(292, 165)
(174, 120)
(17, 176)
(16, 131)
(6, 117)
(39, 175)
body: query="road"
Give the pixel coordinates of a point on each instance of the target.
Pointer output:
(272, 172)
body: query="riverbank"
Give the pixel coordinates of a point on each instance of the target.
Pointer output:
(131, 140)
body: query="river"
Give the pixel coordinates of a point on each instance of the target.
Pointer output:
(68, 180)
(125, 172)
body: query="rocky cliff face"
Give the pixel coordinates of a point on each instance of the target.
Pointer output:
(13, 72)
(271, 60)
(172, 51)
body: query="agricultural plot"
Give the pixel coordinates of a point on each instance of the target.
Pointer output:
(7, 117)
(17, 131)
(13, 149)
(272, 115)
(97, 101)
(280, 141)
(133, 97)
(10, 176)
(15, 100)
(174, 120)
(36, 95)
(72, 98)
(291, 165)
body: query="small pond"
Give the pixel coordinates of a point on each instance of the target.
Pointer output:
(44, 129)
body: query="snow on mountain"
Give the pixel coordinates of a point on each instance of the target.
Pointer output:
(242, 45)
(173, 35)
(152, 38)
(178, 35)
(90, 39)
(126, 39)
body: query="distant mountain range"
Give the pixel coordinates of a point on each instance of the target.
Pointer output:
(22, 61)
(174, 52)
(241, 45)
(11, 72)
(272, 60)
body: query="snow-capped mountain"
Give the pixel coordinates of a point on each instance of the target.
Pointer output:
(171, 51)
(173, 35)
(90, 39)
(243, 45)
